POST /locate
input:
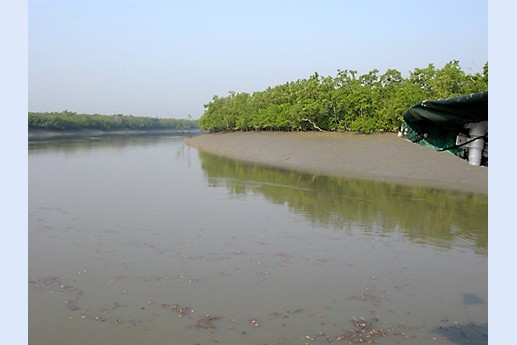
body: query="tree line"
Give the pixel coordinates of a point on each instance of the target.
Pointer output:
(345, 102)
(67, 120)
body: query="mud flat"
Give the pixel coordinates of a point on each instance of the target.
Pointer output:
(381, 156)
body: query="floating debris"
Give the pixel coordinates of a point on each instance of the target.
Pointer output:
(369, 295)
(46, 282)
(364, 332)
(206, 321)
(178, 309)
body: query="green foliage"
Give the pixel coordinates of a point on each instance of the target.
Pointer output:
(67, 120)
(347, 102)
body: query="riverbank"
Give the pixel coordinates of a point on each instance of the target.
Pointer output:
(380, 156)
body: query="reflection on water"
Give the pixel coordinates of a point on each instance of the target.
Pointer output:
(72, 145)
(143, 240)
(426, 215)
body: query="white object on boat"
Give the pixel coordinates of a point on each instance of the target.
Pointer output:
(477, 129)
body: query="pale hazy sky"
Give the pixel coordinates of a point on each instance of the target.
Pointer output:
(168, 58)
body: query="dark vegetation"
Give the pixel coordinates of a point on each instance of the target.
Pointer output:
(346, 102)
(69, 121)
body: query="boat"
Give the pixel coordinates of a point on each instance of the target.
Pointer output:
(457, 125)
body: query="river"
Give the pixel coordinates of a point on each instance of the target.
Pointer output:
(145, 240)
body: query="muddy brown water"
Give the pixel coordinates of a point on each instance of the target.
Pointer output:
(144, 240)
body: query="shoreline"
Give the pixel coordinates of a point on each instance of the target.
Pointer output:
(379, 156)
(46, 134)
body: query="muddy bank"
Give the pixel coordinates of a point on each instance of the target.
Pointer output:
(381, 156)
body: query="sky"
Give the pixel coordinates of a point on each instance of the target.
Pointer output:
(167, 58)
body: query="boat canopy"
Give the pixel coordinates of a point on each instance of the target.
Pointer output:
(457, 125)
(450, 113)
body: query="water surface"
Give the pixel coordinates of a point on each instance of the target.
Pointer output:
(144, 240)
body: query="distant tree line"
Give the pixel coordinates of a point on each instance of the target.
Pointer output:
(346, 102)
(67, 120)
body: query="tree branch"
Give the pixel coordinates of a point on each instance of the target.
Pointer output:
(314, 125)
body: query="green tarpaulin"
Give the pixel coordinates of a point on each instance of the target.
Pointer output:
(450, 113)
(437, 123)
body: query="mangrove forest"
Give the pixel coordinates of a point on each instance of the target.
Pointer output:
(70, 121)
(371, 102)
